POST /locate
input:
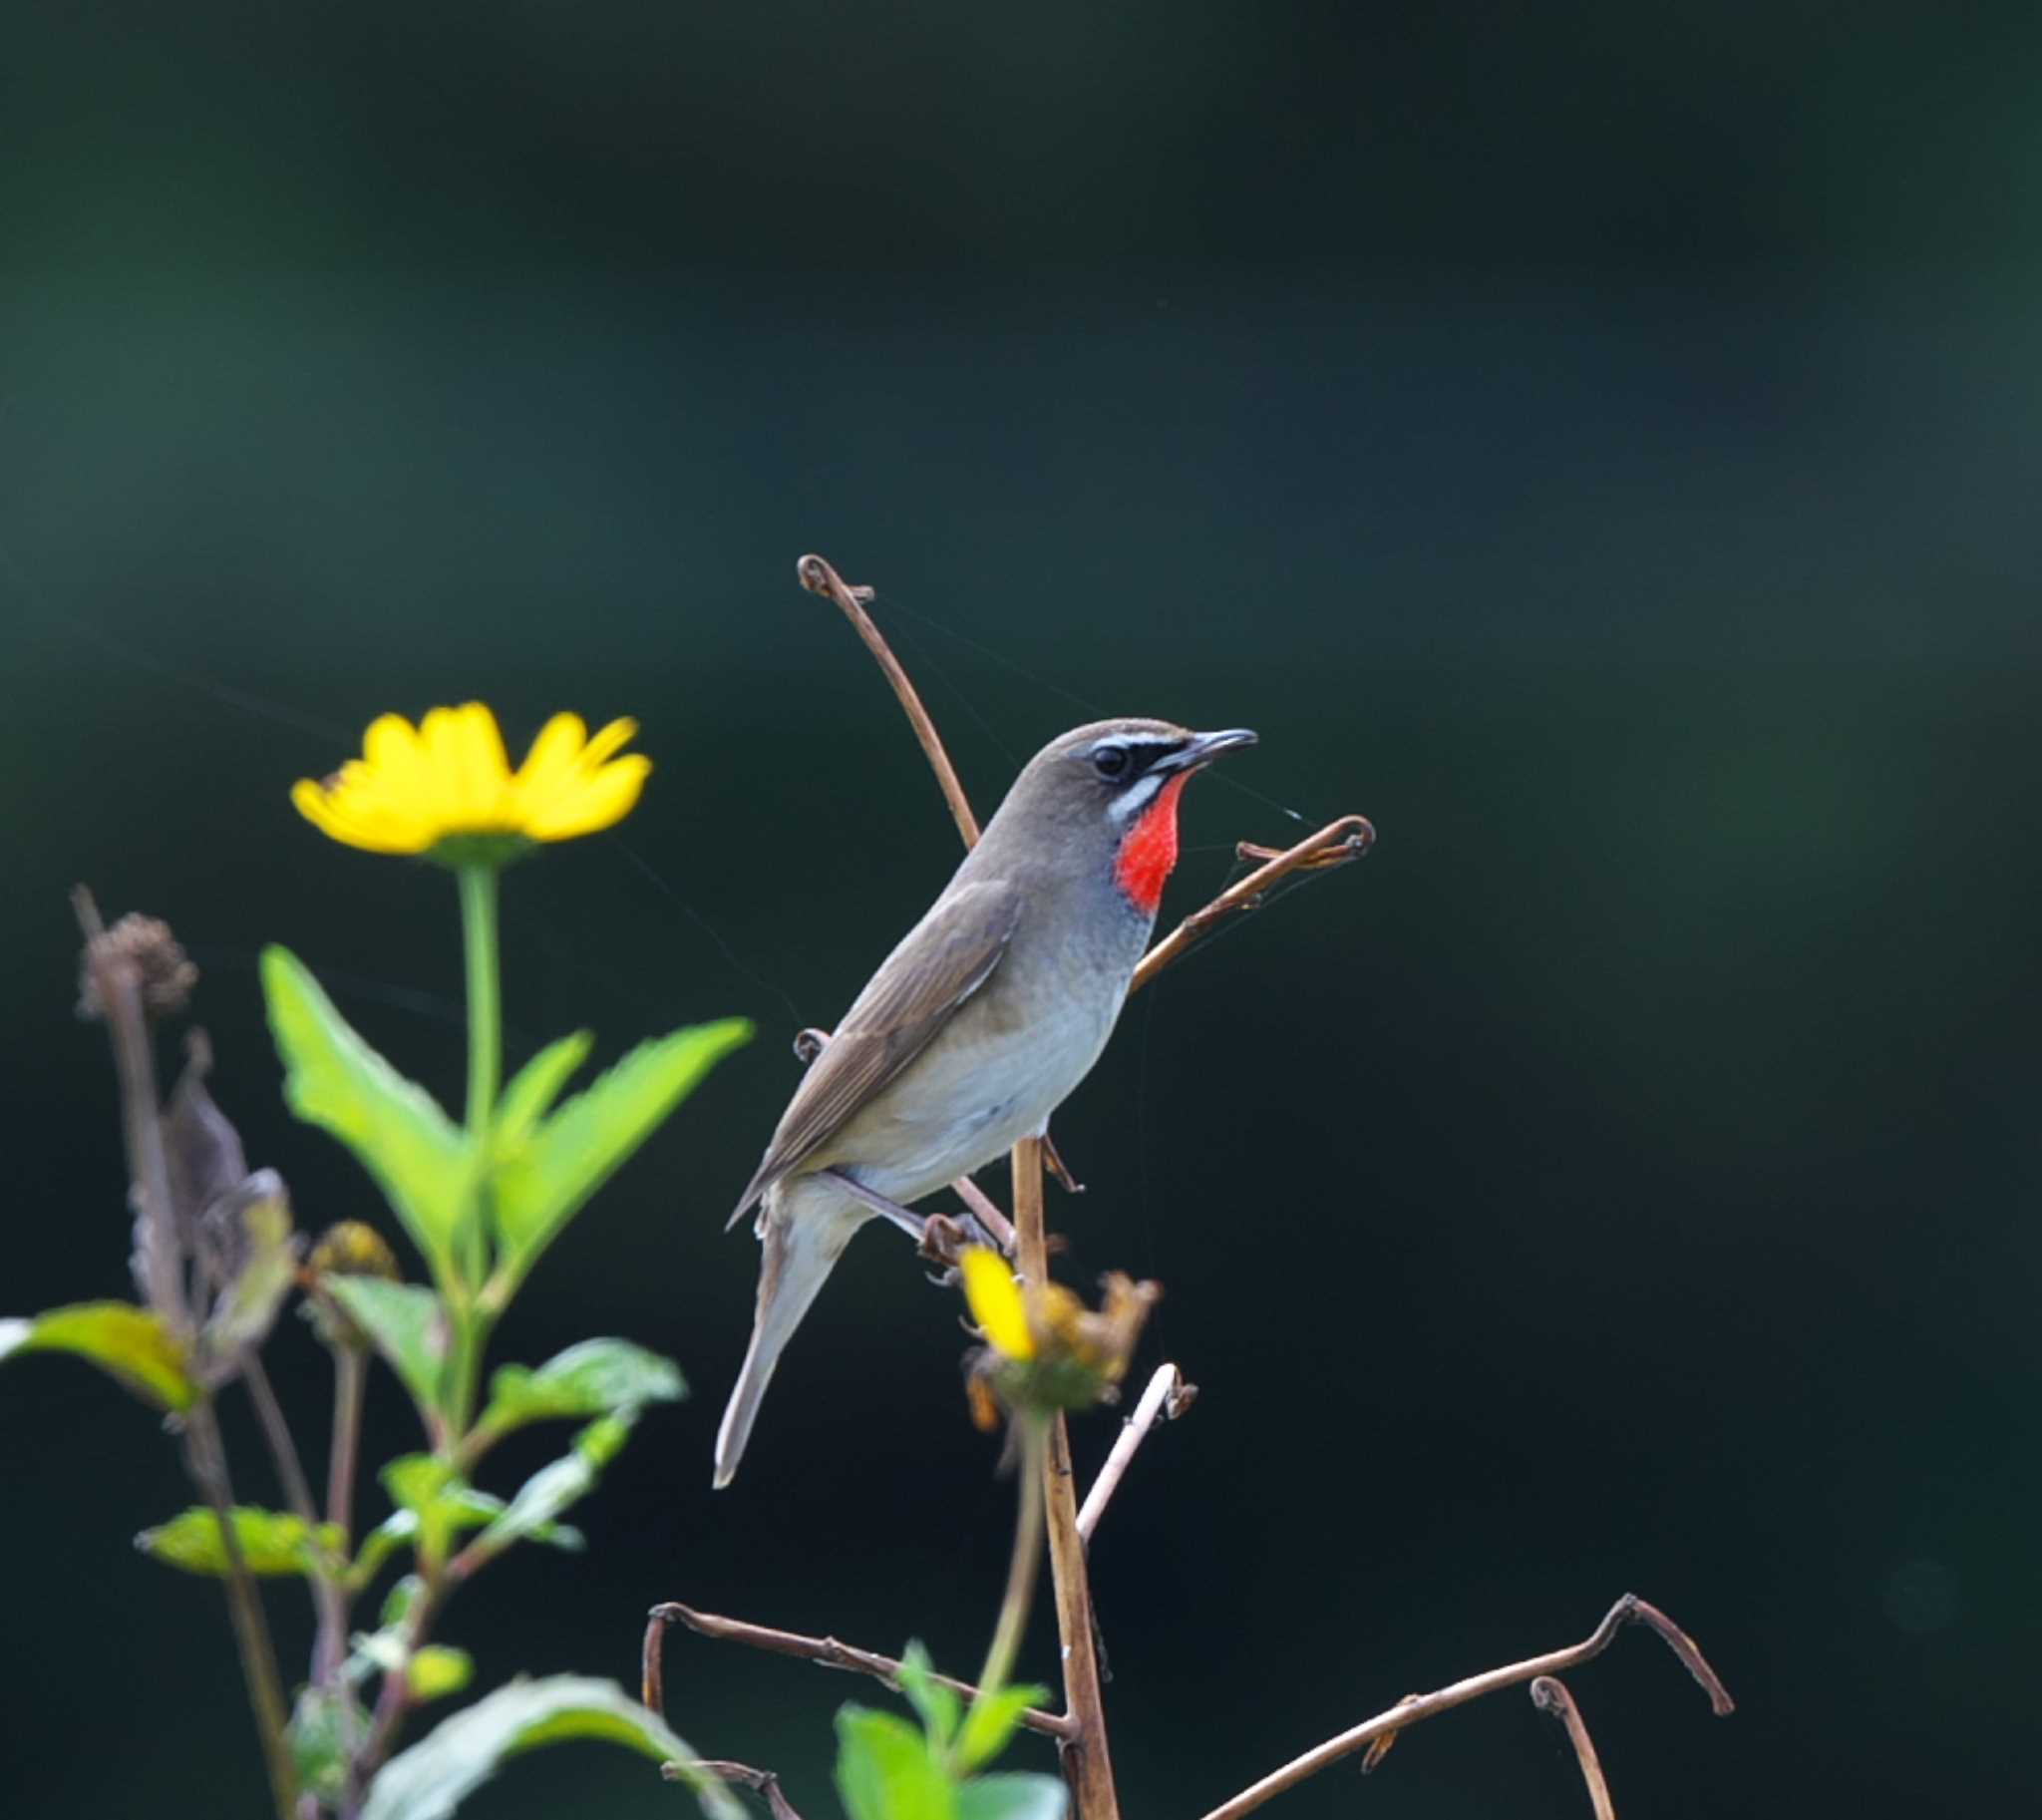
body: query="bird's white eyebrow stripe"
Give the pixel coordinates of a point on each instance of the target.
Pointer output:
(1138, 796)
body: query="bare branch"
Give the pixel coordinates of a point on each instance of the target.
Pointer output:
(1415, 1707)
(826, 1650)
(1088, 1766)
(1551, 1695)
(819, 579)
(1165, 1398)
(759, 1781)
(1335, 845)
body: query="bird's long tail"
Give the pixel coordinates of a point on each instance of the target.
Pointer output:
(802, 1246)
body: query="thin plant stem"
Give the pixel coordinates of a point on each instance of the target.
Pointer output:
(350, 1379)
(1021, 1571)
(484, 1074)
(329, 1601)
(119, 996)
(484, 1006)
(350, 1382)
(206, 1459)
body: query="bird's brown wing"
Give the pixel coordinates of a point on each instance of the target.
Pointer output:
(944, 958)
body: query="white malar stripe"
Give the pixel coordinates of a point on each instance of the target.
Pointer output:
(1135, 798)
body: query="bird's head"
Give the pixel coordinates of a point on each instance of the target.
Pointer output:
(1107, 793)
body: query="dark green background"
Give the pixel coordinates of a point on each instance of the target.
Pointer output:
(1597, 441)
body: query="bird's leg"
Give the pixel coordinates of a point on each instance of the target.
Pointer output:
(1057, 1167)
(938, 1235)
(987, 1213)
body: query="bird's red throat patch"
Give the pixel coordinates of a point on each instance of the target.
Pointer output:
(1150, 850)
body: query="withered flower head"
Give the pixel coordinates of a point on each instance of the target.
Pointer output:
(144, 946)
(1045, 1350)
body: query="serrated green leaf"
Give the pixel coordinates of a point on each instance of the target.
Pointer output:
(325, 1727)
(430, 1779)
(421, 1160)
(592, 1378)
(438, 1669)
(408, 1327)
(991, 1722)
(273, 1541)
(536, 1086)
(543, 1497)
(886, 1770)
(938, 1705)
(129, 1343)
(1013, 1798)
(539, 1184)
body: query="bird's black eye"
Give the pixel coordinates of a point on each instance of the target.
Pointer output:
(1111, 761)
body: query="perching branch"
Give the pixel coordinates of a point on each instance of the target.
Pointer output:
(1088, 1764)
(1165, 1398)
(826, 1650)
(1630, 1608)
(819, 579)
(1551, 1695)
(1335, 845)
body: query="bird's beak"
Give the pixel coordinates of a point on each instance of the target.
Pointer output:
(1203, 747)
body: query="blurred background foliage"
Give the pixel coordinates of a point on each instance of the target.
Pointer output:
(1598, 443)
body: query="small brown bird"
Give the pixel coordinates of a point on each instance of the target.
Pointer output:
(975, 1029)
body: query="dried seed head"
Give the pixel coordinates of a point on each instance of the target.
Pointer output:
(164, 975)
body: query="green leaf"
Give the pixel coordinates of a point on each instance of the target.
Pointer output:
(536, 1086)
(592, 1378)
(324, 1728)
(430, 1779)
(333, 1079)
(126, 1343)
(991, 1722)
(1013, 1798)
(886, 1770)
(273, 1541)
(540, 1183)
(398, 1601)
(438, 1669)
(408, 1327)
(543, 1497)
(938, 1705)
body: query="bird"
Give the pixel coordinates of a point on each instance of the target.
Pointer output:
(978, 1025)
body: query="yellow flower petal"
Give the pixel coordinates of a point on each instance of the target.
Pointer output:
(450, 779)
(586, 805)
(995, 1300)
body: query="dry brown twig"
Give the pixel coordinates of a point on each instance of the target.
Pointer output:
(825, 1651)
(1166, 1398)
(1549, 1694)
(742, 1775)
(1415, 1707)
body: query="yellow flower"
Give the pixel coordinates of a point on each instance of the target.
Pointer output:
(995, 1300)
(1045, 1350)
(448, 781)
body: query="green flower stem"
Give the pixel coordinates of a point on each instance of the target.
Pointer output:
(485, 1003)
(478, 880)
(1006, 1643)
